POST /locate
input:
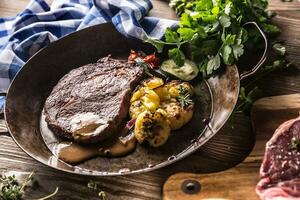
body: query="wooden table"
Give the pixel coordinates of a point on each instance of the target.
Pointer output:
(217, 155)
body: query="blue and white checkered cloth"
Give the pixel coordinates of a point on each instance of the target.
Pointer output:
(40, 24)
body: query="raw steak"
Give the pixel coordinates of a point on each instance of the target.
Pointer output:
(280, 170)
(89, 103)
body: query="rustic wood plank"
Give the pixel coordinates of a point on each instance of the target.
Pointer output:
(279, 5)
(141, 186)
(239, 182)
(12, 7)
(220, 153)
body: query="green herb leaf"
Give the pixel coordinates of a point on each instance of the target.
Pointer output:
(238, 50)
(177, 55)
(213, 64)
(270, 29)
(185, 20)
(225, 20)
(247, 99)
(227, 55)
(204, 5)
(279, 48)
(186, 33)
(171, 36)
(216, 27)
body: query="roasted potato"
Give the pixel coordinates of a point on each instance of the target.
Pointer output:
(153, 83)
(144, 98)
(177, 115)
(163, 93)
(137, 94)
(152, 127)
(177, 88)
(159, 108)
(136, 108)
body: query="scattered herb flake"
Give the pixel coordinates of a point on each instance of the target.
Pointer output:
(295, 143)
(102, 195)
(280, 49)
(92, 185)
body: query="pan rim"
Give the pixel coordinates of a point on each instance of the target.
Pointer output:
(186, 152)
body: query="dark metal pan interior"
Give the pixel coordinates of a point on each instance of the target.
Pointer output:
(25, 99)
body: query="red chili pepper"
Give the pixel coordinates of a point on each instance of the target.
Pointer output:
(133, 55)
(152, 60)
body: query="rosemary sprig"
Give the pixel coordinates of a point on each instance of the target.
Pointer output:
(185, 100)
(184, 97)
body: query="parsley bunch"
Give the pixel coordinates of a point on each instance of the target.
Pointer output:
(213, 32)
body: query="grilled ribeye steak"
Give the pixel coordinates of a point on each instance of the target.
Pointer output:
(89, 103)
(280, 170)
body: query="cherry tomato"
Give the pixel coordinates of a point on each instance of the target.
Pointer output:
(133, 55)
(152, 60)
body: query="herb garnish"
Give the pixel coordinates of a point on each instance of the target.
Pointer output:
(182, 90)
(184, 97)
(295, 143)
(185, 100)
(10, 189)
(213, 31)
(213, 34)
(93, 185)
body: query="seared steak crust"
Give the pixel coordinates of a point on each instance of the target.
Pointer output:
(89, 103)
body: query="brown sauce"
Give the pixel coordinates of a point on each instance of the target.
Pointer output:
(71, 152)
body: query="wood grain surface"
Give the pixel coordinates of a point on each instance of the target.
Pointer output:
(239, 182)
(225, 150)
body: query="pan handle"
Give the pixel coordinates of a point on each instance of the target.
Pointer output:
(262, 59)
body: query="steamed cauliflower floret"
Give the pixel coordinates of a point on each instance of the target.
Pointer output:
(152, 127)
(177, 115)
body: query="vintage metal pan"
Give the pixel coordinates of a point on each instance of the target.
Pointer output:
(216, 99)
